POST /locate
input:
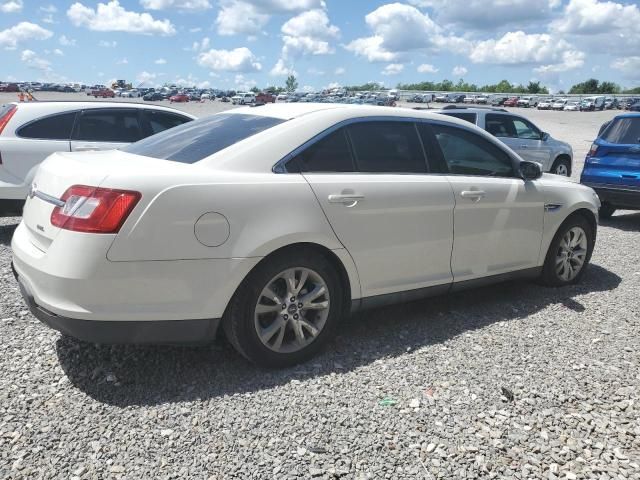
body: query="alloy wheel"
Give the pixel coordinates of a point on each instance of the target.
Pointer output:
(292, 310)
(562, 169)
(572, 253)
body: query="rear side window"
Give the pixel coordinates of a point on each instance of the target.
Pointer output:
(469, 154)
(193, 141)
(500, 125)
(391, 147)
(329, 154)
(108, 125)
(623, 130)
(54, 127)
(160, 121)
(469, 117)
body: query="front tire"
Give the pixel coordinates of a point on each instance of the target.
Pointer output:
(562, 166)
(286, 310)
(569, 253)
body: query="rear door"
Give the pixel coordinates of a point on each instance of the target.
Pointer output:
(106, 129)
(33, 142)
(521, 136)
(390, 213)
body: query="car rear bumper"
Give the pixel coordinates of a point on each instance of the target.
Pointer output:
(621, 196)
(122, 332)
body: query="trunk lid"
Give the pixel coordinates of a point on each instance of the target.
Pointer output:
(616, 164)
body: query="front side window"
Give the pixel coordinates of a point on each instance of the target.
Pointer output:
(194, 141)
(329, 154)
(526, 130)
(623, 131)
(389, 147)
(54, 127)
(108, 125)
(466, 153)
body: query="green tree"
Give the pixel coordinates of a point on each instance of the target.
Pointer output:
(534, 87)
(609, 87)
(590, 86)
(292, 84)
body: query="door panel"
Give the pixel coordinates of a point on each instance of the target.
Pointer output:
(397, 227)
(498, 226)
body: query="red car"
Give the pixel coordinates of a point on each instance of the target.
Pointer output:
(180, 97)
(263, 97)
(511, 102)
(9, 87)
(104, 93)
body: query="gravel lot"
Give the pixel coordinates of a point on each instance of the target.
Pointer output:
(420, 390)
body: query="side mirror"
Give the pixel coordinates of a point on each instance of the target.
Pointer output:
(545, 136)
(530, 170)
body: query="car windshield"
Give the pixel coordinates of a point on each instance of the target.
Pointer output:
(194, 141)
(623, 131)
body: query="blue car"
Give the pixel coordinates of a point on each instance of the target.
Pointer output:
(612, 166)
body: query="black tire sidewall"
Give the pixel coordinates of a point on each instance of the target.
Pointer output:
(562, 161)
(606, 210)
(239, 320)
(549, 275)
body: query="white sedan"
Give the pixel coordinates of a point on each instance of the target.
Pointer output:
(276, 221)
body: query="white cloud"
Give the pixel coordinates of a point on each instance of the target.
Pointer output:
(315, 71)
(398, 29)
(308, 33)
(236, 60)
(393, 69)
(519, 48)
(427, 68)
(570, 60)
(629, 66)
(23, 31)
(122, 61)
(48, 9)
(111, 17)
(243, 83)
(66, 41)
(485, 15)
(32, 60)
(48, 19)
(199, 46)
(308, 89)
(176, 4)
(339, 71)
(107, 44)
(248, 17)
(195, 30)
(160, 61)
(146, 77)
(57, 51)
(11, 6)
(459, 71)
(282, 70)
(601, 26)
(332, 86)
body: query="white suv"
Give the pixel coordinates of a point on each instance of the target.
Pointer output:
(243, 98)
(30, 132)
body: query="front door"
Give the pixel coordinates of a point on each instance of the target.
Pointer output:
(498, 217)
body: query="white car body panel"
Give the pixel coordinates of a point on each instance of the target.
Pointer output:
(399, 237)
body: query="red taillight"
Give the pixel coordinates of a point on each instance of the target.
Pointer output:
(94, 210)
(593, 150)
(7, 116)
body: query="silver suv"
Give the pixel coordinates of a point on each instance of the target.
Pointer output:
(520, 135)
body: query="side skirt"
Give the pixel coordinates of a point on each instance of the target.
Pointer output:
(437, 290)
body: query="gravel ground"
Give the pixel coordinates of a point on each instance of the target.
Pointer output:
(510, 381)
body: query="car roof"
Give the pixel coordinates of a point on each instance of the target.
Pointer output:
(628, 115)
(65, 105)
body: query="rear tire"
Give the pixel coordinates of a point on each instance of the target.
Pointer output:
(606, 210)
(569, 253)
(262, 327)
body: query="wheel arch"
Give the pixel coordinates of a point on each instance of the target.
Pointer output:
(339, 259)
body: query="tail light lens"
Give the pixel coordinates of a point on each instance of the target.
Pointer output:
(593, 150)
(6, 116)
(94, 210)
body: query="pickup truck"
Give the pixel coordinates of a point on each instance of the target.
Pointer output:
(265, 98)
(103, 93)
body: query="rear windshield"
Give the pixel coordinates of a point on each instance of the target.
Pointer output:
(623, 130)
(193, 141)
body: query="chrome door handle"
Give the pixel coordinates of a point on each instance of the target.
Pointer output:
(85, 149)
(477, 194)
(348, 199)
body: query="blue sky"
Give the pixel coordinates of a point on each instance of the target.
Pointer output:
(242, 43)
